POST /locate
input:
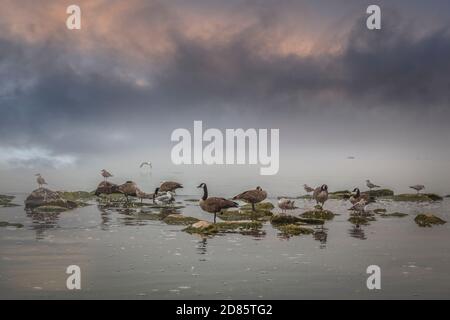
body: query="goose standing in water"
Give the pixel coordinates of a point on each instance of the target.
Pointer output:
(308, 189)
(169, 186)
(163, 199)
(321, 194)
(252, 196)
(370, 185)
(40, 181)
(418, 187)
(286, 204)
(214, 204)
(106, 174)
(358, 196)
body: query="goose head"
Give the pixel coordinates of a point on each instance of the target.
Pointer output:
(201, 185)
(355, 190)
(324, 187)
(258, 188)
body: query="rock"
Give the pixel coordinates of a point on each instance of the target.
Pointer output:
(428, 220)
(178, 219)
(421, 197)
(394, 214)
(379, 210)
(77, 196)
(379, 193)
(201, 224)
(318, 214)
(106, 187)
(237, 215)
(43, 197)
(359, 220)
(265, 206)
(339, 195)
(294, 230)
(49, 209)
(205, 228)
(287, 219)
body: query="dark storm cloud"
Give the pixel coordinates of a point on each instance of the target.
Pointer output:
(49, 97)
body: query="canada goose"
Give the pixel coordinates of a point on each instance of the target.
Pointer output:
(252, 196)
(106, 174)
(146, 163)
(321, 194)
(40, 181)
(358, 196)
(214, 204)
(418, 187)
(128, 189)
(163, 199)
(308, 189)
(169, 186)
(370, 185)
(286, 204)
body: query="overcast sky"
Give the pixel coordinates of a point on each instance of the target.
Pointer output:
(110, 95)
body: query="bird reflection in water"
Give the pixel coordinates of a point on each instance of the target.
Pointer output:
(41, 222)
(357, 232)
(202, 246)
(321, 235)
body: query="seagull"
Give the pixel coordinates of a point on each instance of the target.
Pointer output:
(418, 187)
(370, 185)
(163, 199)
(308, 189)
(40, 180)
(106, 174)
(146, 163)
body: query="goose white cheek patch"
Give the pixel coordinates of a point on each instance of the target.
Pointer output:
(237, 146)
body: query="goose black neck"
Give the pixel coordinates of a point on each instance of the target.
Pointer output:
(205, 192)
(358, 192)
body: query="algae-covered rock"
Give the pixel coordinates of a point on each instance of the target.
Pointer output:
(318, 214)
(50, 200)
(339, 195)
(5, 201)
(178, 219)
(205, 228)
(77, 196)
(379, 193)
(49, 209)
(294, 230)
(428, 220)
(287, 219)
(238, 225)
(379, 210)
(394, 214)
(265, 206)
(236, 215)
(359, 220)
(7, 224)
(418, 197)
(192, 200)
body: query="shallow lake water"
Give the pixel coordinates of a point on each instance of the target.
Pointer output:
(127, 256)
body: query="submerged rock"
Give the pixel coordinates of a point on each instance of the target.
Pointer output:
(287, 219)
(237, 215)
(262, 206)
(379, 210)
(205, 228)
(8, 224)
(178, 219)
(48, 200)
(294, 230)
(5, 201)
(360, 220)
(394, 214)
(421, 197)
(428, 220)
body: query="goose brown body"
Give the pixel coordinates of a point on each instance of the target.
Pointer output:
(214, 204)
(170, 186)
(358, 196)
(321, 194)
(252, 196)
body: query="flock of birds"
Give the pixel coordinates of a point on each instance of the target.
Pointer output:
(165, 195)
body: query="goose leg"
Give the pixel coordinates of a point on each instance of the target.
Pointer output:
(253, 207)
(214, 217)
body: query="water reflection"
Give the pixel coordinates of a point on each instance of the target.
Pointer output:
(321, 235)
(357, 232)
(202, 246)
(41, 222)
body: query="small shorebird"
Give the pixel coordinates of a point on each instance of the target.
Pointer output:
(146, 163)
(40, 181)
(370, 185)
(252, 196)
(169, 186)
(308, 189)
(163, 199)
(286, 204)
(321, 194)
(418, 187)
(106, 174)
(214, 204)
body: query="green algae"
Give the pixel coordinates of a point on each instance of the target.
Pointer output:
(418, 197)
(178, 219)
(428, 220)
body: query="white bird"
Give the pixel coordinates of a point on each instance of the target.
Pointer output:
(164, 199)
(370, 185)
(418, 187)
(40, 180)
(146, 163)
